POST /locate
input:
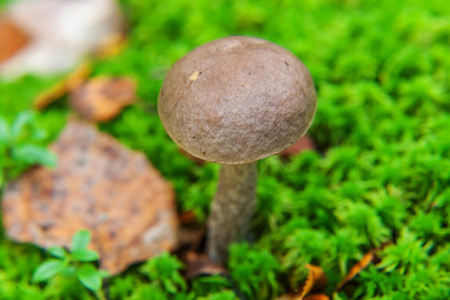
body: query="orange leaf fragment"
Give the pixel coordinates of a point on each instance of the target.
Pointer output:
(97, 185)
(305, 143)
(287, 297)
(317, 297)
(12, 39)
(68, 84)
(113, 45)
(188, 217)
(315, 280)
(358, 267)
(309, 297)
(61, 34)
(102, 98)
(200, 265)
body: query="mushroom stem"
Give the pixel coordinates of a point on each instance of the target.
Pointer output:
(232, 208)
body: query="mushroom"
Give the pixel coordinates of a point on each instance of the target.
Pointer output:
(234, 101)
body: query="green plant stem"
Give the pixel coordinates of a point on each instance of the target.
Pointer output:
(100, 294)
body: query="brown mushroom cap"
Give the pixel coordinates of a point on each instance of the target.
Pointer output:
(237, 100)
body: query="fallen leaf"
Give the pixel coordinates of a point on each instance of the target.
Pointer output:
(188, 217)
(317, 297)
(13, 39)
(97, 185)
(367, 259)
(315, 280)
(61, 33)
(305, 143)
(102, 98)
(112, 46)
(190, 238)
(310, 297)
(68, 84)
(200, 265)
(191, 234)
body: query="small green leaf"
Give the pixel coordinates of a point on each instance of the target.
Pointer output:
(57, 252)
(69, 271)
(90, 277)
(47, 270)
(104, 273)
(85, 255)
(20, 122)
(38, 134)
(80, 240)
(4, 131)
(32, 154)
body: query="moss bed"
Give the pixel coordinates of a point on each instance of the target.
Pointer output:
(381, 175)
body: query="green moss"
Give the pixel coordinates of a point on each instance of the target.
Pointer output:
(381, 72)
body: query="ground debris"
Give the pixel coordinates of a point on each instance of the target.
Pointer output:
(315, 281)
(200, 265)
(102, 98)
(305, 143)
(12, 38)
(61, 34)
(368, 258)
(68, 84)
(100, 186)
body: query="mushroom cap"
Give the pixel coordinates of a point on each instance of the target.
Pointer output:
(237, 100)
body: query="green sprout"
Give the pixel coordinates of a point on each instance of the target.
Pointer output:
(163, 271)
(19, 147)
(74, 262)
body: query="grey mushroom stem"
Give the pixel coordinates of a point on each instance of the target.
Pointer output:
(232, 209)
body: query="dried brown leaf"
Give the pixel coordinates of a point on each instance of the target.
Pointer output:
(309, 297)
(190, 237)
(62, 34)
(102, 98)
(68, 84)
(305, 143)
(315, 280)
(113, 45)
(188, 217)
(200, 265)
(12, 39)
(317, 297)
(97, 185)
(358, 267)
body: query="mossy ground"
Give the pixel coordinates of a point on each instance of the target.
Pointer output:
(383, 174)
